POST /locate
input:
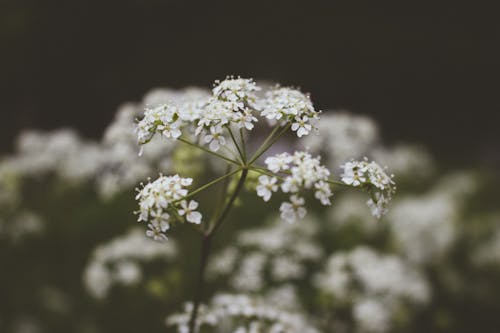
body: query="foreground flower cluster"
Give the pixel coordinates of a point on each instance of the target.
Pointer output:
(222, 121)
(164, 195)
(305, 172)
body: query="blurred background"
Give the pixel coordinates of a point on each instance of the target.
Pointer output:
(411, 86)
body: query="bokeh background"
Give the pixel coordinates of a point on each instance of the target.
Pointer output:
(413, 86)
(425, 72)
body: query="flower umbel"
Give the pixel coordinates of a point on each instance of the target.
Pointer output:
(373, 178)
(163, 196)
(303, 172)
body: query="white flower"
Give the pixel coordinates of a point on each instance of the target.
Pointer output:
(156, 231)
(302, 126)
(323, 192)
(215, 138)
(245, 119)
(266, 186)
(293, 210)
(189, 210)
(118, 261)
(279, 162)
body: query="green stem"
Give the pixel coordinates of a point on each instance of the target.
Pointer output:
(209, 151)
(263, 171)
(207, 185)
(239, 186)
(242, 139)
(236, 144)
(267, 145)
(200, 284)
(269, 137)
(205, 250)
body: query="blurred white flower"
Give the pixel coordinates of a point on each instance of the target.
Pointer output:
(118, 262)
(361, 276)
(293, 210)
(341, 137)
(242, 313)
(424, 225)
(371, 316)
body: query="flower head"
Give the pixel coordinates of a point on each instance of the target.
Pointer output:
(293, 106)
(303, 172)
(161, 196)
(374, 179)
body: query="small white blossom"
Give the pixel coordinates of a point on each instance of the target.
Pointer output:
(302, 126)
(215, 138)
(323, 192)
(189, 210)
(293, 210)
(266, 186)
(279, 162)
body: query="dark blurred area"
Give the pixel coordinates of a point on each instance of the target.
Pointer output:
(425, 73)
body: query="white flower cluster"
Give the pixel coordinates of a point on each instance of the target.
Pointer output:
(233, 103)
(424, 226)
(164, 195)
(302, 172)
(376, 286)
(350, 209)
(287, 104)
(373, 178)
(342, 136)
(281, 249)
(110, 164)
(242, 314)
(118, 262)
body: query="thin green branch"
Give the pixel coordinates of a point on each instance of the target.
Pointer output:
(269, 144)
(269, 137)
(242, 139)
(234, 195)
(263, 171)
(236, 143)
(209, 151)
(207, 185)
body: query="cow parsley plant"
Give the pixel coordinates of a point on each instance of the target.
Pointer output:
(221, 126)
